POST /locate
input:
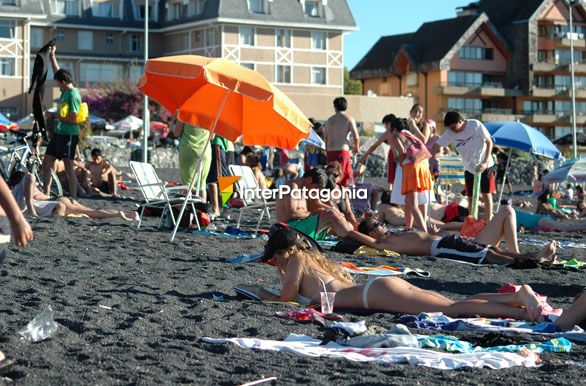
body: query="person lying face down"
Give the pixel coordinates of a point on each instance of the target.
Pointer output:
(375, 234)
(305, 272)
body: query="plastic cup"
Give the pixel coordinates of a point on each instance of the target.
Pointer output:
(327, 302)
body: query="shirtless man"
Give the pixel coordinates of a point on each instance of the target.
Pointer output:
(374, 234)
(103, 176)
(292, 209)
(336, 135)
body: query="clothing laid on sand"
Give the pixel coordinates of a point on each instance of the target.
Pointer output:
(309, 227)
(459, 248)
(529, 220)
(396, 194)
(469, 142)
(344, 157)
(191, 148)
(43, 208)
(455, 212)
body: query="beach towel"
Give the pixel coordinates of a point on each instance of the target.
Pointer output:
(231, 232)
(546, 310)
(439, 322)
(561, 244)
(383, 270)
(352, 247)
(307, 346)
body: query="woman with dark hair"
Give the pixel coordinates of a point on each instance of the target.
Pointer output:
(545, 215)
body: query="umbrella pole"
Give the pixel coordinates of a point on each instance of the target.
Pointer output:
(498, 205)
(199, 166)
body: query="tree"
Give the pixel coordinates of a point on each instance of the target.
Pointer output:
(351, 87)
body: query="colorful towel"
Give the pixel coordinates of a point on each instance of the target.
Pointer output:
(562, 244)
(233, 233)
(572, 264)
(439, 322)
(546, 310)
(383, 270)
(308, 346)
(453, 344)
(368, 251)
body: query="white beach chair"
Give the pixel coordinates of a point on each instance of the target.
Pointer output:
(248, 181)
(158, 195)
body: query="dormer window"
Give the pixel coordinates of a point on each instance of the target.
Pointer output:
(313, 8)
(138, 10)
(174, 11)
(256, 6)
(108, 8)
(64, 7)
(195, 7)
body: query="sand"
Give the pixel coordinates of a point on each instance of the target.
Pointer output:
(132, 309)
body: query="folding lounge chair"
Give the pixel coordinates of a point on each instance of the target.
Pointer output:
(158, 195)
(248, 182)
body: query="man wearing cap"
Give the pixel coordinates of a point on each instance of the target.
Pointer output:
(292, 208)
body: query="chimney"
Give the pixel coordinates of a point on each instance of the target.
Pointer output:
(468, 10)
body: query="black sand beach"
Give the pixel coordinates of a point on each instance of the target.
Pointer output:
(132, 309)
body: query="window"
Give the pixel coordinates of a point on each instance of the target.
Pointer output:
(62, 64)
(565, 56)
(538, 107)
(8, 2)
(542, 56)
(246, 36)
(138, 11)
(109, 38)
(101, 8)
(476, 53)
(100, 72)
(467, 105)
(36, 37)
(7, 67)
(198, 36)
(134, 43)
(560, 131)
(318, 40)
(412, 79)
(7, 29)
(312, 8)
(185, 41)
(248, 65)
(210, 37)
(174, 11)
(59, 35)
(85, 40)
(195, 7)
(64, 7)
(283, 38)
(464, 78)
(256, 6)
(283, 74)
(318, 75)
(135, 72)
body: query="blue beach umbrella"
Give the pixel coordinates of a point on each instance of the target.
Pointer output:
(315, 140)
(518, 135)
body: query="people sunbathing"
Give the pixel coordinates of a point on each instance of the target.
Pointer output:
(545, 217)
(375, 235)
(36, 204)
(294, 208)
(306, 272)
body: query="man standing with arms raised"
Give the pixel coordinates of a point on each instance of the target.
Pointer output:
(337, 131)
(65, 137)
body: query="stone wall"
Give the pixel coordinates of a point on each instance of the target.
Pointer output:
(160, 157)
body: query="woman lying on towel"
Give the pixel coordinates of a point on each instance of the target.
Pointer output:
(575, 315)
(545, 215)
(305, 272)
(37, 204)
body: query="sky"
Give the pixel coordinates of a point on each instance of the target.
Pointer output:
(376, 18)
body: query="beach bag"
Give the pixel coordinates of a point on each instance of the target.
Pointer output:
(417, 151)
(472, 227)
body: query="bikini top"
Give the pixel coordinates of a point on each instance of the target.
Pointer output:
(306, 301)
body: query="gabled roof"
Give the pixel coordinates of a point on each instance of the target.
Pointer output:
(503, 12)
(378, 61)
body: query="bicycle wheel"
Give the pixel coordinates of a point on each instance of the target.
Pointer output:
(56, 188)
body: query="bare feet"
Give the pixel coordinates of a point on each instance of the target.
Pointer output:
(533, 305)
(546, 255)
(130, 216)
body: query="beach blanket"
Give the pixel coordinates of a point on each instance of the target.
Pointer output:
(561, 244)
(231, 232)
(307, 346)
(572, 264)
(383, 270)
(439, 322)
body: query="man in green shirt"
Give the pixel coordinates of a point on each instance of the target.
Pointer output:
(65, 137)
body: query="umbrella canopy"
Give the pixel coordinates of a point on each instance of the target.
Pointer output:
(315, 140)
(215, 93)
(518, 135)
(27, 122)
(129, 123)
(572, 173)
(6, 124)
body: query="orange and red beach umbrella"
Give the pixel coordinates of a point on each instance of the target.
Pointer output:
(231, 100)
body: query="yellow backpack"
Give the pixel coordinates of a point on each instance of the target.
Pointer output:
(82, 114)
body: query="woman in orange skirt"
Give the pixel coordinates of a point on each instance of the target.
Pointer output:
(416, 179)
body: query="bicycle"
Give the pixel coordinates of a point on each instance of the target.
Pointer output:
(24, 157)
